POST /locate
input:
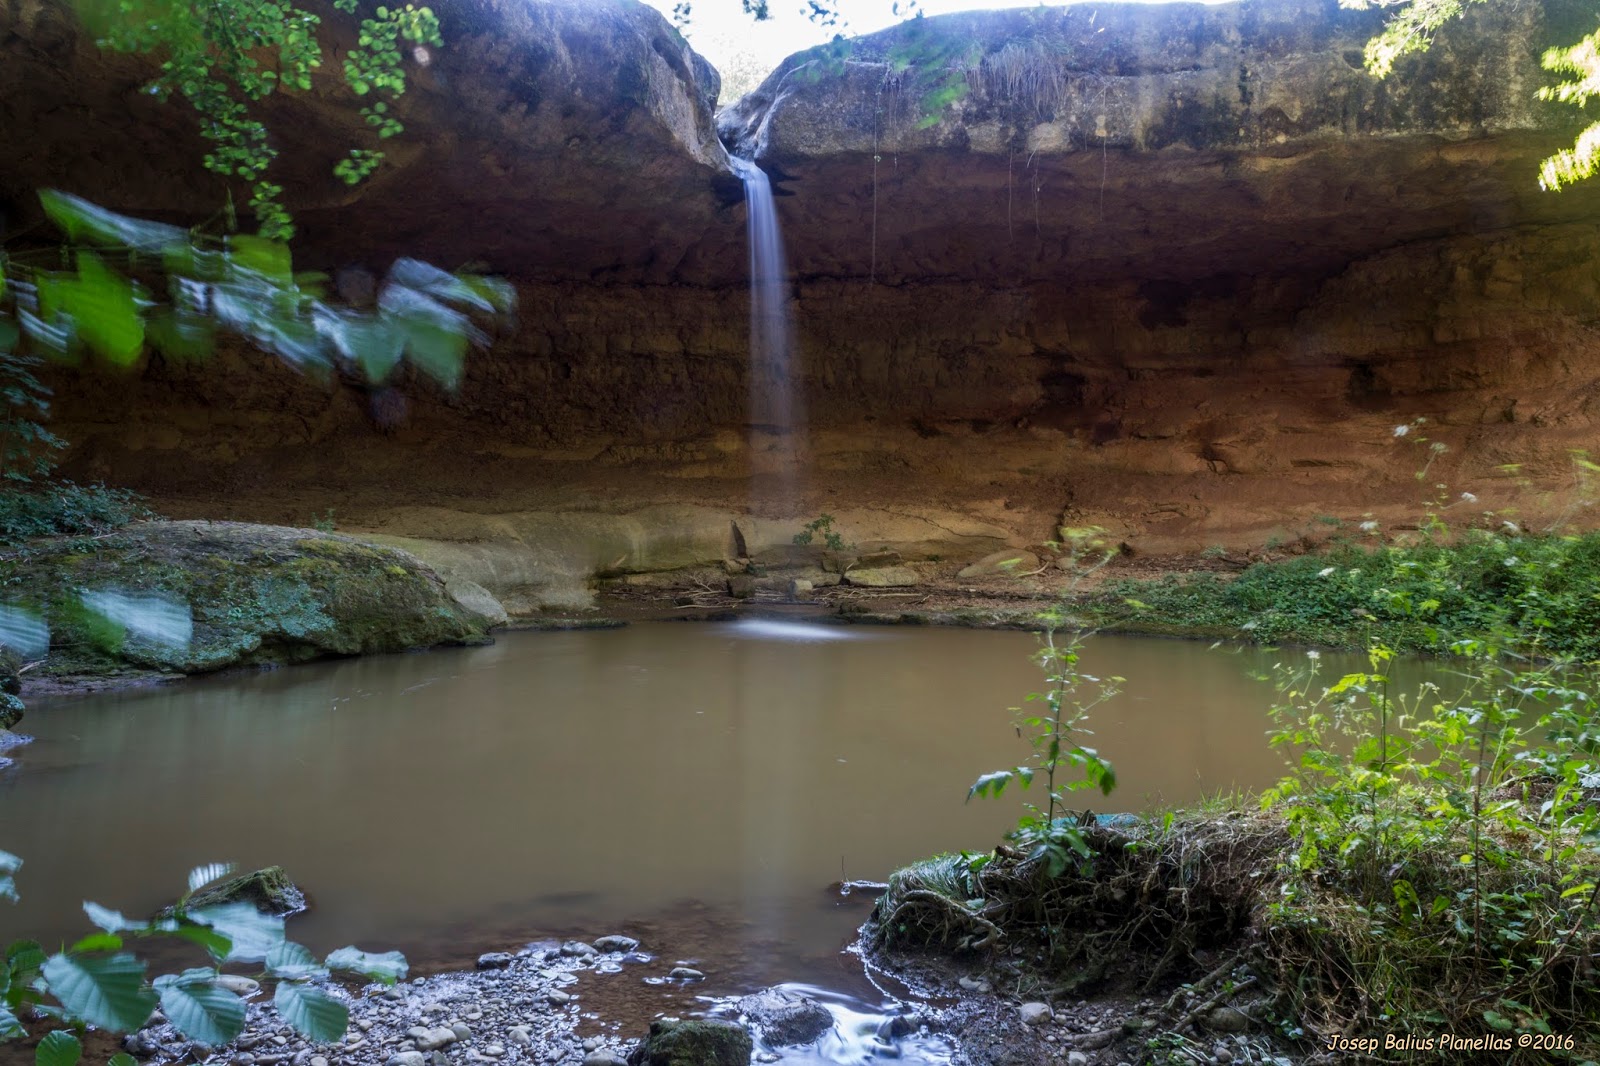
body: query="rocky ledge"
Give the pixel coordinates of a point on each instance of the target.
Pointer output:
(164, 599)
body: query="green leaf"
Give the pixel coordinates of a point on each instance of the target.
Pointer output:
(9, 1025)
(199, 1008)
(85, 222)
(112, 921)
(59, 1048)
(311, 1011)
(270, 259)
(990, 784)
(122, 1058)
(217, 944)
(97, 942)
(24, 957)
(102, 307)
(104, 991)
(9, 865)
(252, 933)
(293, 962)
(388, 967)
(375, 344)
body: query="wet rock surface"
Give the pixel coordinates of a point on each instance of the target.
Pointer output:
(784, 1017)
(693, 1043)
(269, 890)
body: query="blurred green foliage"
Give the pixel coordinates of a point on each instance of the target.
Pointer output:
(235, 284)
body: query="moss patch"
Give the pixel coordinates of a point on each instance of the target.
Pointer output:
(257, 595)
(693, 1043)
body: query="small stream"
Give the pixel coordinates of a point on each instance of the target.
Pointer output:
(699, 786)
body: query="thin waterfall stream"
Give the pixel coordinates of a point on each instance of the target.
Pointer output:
(777, 410)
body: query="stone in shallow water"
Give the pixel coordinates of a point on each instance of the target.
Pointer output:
(578, 949)
(785, 1017)
(616, 942)
(494, 960)
(269, 890)
(693, 1043)
(686, 973)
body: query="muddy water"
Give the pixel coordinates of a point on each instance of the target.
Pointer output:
(698, 785)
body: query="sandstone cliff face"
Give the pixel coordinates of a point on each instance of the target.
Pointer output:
(545, 138)
(1177, 270)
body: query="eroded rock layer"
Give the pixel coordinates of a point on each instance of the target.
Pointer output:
(1178, 271)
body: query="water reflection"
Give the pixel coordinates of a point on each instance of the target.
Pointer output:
(578, 782)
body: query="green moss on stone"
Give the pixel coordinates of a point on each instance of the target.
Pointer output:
(257, 595)
(694, 1043)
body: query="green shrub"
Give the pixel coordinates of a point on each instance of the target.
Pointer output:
(1543, 587)
(65, 509)
(1443, 877)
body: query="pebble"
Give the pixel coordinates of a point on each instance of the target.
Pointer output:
(435, 1038)
(462, 1032)
(616, 942)
(407, 1058)
(1077, 1058)
(973, 984)
(1228, 1020)
(1222, 1053)
(494, 1051)
(239, 986)
(494, 960)
(1036, 1013)
(603, 1057)
(521, 1034)
(578, 949)
(557, 998)
(318, 1060)
(686, 973)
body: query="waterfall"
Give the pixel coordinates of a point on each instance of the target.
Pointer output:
(777, 421)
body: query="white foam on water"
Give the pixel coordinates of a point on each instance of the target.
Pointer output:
(777, 629)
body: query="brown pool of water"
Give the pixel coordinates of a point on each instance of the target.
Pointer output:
(698, 786)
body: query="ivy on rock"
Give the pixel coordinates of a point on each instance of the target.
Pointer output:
(226, 56)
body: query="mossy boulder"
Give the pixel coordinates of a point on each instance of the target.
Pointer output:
(165, 598)
(693, 1043)
(10, 672)
(268, 890)
(10, 710)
